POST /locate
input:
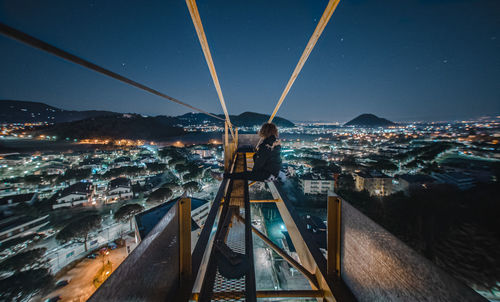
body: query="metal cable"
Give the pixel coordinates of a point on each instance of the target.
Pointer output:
(327, 14)
(36, 43)
(195, 16)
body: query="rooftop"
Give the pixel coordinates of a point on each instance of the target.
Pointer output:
(76, 188)
(147, 220)
(16, 198)
(417, 178)
(315, 176)
(372, 174)
(119, 182)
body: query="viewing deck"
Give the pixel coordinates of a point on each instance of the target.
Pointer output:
(364, 262)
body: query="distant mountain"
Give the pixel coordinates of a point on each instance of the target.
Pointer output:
(369, 120)
(26, 112)
(246, 119)
(122, 126)
(249, 119)
(33, 112)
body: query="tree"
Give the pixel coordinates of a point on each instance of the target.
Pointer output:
(317, 163)
(194, 175)
(335, 168)
(33, 179)
(176, 158)
(76, 174)
(191, 187)
(160, 195)
(127, 212)
(171, 185)
(23, 285)
(156, 167)
(181, 168)
(383, 164)
(29, 259)
(80, 229)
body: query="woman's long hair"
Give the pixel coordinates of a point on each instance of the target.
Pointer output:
(268, 129)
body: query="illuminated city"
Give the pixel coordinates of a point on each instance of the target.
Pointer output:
(127, 175)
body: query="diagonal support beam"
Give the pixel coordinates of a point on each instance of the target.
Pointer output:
(283, 254)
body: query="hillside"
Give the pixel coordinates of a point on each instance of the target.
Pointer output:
(246, 119)
(369, 120)
(27, 112)
(126, 126)
(33, 112)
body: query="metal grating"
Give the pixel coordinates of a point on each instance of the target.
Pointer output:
(231, 289)
(228, 290)
(236, 236)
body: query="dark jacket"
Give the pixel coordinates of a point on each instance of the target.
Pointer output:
(267, 158)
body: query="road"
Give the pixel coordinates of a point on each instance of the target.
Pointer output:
(80, 286)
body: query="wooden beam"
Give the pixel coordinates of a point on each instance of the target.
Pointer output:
(283, 254)
(185, 268)
(264, 200)
(333, 235)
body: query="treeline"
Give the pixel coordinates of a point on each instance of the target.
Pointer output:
(427, 152)
(130, 126)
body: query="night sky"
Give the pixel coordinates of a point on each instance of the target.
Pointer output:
(403, 60)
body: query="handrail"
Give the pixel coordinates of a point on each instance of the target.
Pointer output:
(202, 242)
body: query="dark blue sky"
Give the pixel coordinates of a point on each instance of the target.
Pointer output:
(403, 60)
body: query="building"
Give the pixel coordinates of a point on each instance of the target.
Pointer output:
(152, 182)
(11, 201)
(147, 220)
(54, 169)
(91, 163)
(76, 194)
(408, 182)
(313, 183)
(20, 226)
(461, 180)
(14, 160)
(376, 183)
(122, 161)
(119, 189)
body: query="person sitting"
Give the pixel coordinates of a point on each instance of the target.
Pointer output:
(267, 157)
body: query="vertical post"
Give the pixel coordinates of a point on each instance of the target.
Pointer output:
(336, 181)
(235, 139)
(333, 235)
(184, 212)
(226, 136)
(227, 150)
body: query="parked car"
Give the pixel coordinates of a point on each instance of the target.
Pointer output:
(104, 251)
(92, 256)
(112, 245)
(53, 299)
(62, 283)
